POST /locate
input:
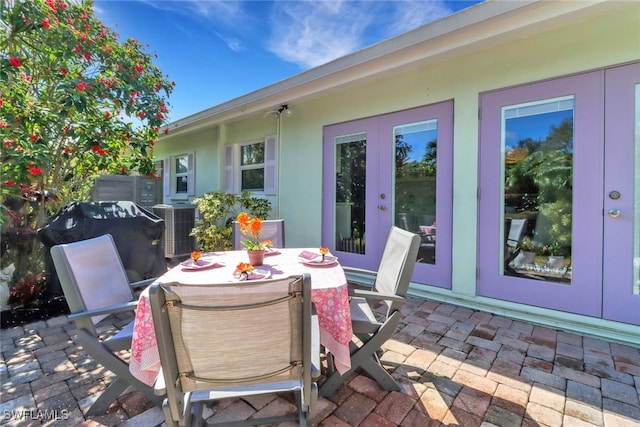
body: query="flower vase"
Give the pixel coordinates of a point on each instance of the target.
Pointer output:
(256, 257)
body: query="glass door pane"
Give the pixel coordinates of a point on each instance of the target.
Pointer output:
(537, 168)
(350, 191)
(415, 183)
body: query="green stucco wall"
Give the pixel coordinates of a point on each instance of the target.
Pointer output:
(606, 40)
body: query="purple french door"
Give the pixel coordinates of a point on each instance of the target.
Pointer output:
(393, 169)
(559, 211)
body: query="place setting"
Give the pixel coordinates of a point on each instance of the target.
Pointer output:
(322, 258)
(199, 261)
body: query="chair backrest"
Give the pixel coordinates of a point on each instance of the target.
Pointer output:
(517, 227)
(232, 334)
(397, 264)
(92, 276)
(272, 229)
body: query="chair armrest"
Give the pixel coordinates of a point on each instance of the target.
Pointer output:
(105, 310)
(375, 296)
(141, 283)
(360, 276)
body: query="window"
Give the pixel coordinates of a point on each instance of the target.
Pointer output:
(251, 166)
(179, 176)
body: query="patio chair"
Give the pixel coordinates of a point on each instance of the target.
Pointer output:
(517, 229)
(390, 285)
(95, 285)
(272, 229)
(230, 340)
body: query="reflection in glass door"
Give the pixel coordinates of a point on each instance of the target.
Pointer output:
(537, 150)
(350, 192)
(415, 183)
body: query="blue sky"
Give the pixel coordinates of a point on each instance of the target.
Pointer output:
(218, 50)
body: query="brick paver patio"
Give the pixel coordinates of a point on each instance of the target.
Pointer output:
(458, 367)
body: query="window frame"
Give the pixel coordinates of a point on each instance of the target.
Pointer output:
(232, 157)
(170, 176)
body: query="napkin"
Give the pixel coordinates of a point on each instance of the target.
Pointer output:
(251, 276)
(271, 251)
(308, 255)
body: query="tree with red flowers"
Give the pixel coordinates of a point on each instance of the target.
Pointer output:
(75, 102)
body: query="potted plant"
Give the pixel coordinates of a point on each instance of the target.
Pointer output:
(527, 253)
(555, 255)
(251, 228)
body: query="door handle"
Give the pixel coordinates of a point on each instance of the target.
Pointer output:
(382, 207)
(614, 213)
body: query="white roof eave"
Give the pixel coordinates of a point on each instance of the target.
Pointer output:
(481, 26)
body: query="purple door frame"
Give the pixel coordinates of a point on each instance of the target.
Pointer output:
(380, 210)
(602, 248)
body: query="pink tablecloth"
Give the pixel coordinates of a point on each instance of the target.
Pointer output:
(329, 294)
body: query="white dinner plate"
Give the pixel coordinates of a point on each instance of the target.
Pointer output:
(319, 262)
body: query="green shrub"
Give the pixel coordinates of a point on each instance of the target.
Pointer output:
(218, 210)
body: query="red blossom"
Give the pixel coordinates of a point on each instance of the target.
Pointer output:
(34, 137)
(10, 183)
(87, 56)
(82, 86)
(160, 116)
(46, 24)
(7, 143)
(150, 175)
(107, 114)
(64, 70)
(141, 114)
(3, 124)
(34, 170)
(67, 150)
(16, 62)
(52, 5)
(1, 102)
(99, 150)
(166, 131)
(139, 68)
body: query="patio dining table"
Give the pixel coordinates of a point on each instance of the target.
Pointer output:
(329, 295)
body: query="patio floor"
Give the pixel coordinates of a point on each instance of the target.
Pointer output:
(457, 366)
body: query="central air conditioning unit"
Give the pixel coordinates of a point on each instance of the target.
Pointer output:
(179, 220)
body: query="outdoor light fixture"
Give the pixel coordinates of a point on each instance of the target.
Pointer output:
(283, 110)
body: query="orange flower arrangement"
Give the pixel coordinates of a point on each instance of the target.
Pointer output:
(243, 269)
(251, 228)
(323, 252)
(195, 255)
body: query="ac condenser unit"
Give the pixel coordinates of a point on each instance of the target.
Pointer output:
(179, 220)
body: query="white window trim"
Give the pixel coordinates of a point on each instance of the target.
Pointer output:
(169, 176)
(232, 169)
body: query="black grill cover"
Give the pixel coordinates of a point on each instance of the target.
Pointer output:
(137, 233)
